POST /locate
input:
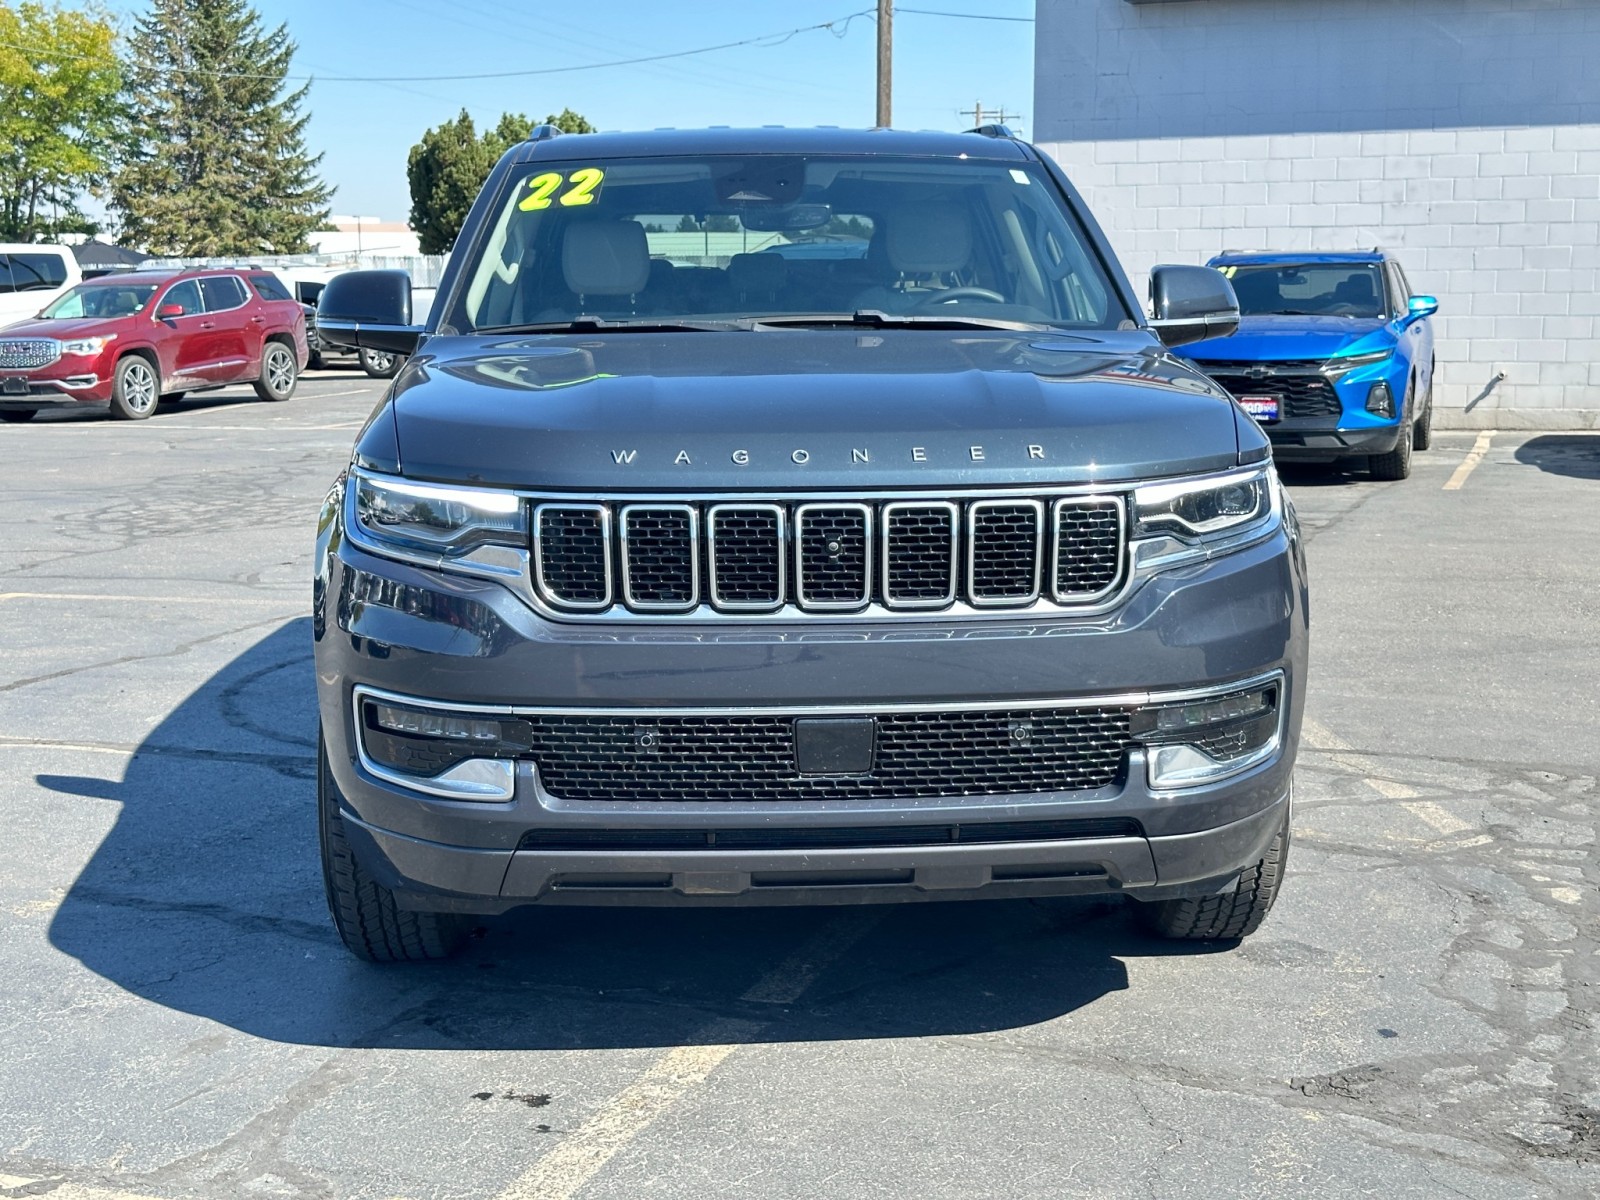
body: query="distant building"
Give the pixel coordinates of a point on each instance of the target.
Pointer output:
(1462, 134)
(364, 235)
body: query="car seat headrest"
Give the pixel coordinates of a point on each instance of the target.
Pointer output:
(928, 240)
(605, 258)
(757, 272)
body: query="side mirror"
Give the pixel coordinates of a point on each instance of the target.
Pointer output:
(167, 311)
(368, 310)
(1422, 306)
(1190, 304)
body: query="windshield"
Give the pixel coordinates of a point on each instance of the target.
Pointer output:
(101, 300)
(1308, 289)
(743, 236)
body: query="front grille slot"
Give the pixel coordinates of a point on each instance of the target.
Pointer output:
(747, 553)
(919, 554)
(1088, 559)
(660, 556)
(22, 353)
(875, 556)
(833, 556)
(1004, 540)
(751, 759)
(572, 555)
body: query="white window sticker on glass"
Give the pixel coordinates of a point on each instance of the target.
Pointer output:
(1019, 176)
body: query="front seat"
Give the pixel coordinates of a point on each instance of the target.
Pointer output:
(1357, 292)
(923, 245)
(606, 259)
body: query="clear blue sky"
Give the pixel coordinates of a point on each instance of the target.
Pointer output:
(942, 65)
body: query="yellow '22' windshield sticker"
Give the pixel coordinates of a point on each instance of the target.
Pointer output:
(581, 187)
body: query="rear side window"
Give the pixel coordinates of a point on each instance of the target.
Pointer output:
(32, 272)
(222, 292)
(268, 288)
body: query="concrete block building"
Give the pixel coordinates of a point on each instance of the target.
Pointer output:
(1462, 134)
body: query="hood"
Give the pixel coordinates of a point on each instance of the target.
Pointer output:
(65, 327)
(1276, 338)
(799, 409)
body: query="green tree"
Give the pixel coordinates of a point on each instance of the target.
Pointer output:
(446, 170)
(59, 87)
(219, 164)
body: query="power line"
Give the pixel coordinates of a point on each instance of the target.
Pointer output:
(933, 12)
(839, 27)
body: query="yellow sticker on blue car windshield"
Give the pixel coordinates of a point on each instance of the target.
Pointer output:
(570, 190)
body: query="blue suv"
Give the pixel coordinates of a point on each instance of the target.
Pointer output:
(1334, 356)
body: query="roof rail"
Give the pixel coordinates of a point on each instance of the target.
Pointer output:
(994, 131)
(541, 133)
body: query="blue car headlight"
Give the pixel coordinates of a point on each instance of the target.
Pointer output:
(1336, 368)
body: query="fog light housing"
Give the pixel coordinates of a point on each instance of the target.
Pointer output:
(454, 754)
(1202, 740)
(1380, 401)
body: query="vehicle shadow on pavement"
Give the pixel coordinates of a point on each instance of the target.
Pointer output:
(206, 898)
(1574, 454)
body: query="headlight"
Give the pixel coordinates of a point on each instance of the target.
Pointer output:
(89, 345)
(413, 517)
(1336, 367)
(1199, 508)
(1191, 742)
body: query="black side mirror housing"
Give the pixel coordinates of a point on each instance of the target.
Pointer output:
(1190, 304)
(368, 310)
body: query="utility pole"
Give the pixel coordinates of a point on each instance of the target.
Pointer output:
(977, 112)
(885, 61)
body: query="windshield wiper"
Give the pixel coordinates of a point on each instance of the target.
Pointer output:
(630, 325)
(877, 318)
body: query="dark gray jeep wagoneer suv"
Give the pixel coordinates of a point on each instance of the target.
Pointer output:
(798, 516)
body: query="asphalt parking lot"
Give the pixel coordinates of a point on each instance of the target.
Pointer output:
(1416, 1018)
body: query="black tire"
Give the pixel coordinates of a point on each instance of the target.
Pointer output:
(380, 364)
(1234, 914)
(314, 363)
(1422, 432)
(135, 389)
(16, 416)
(1397, 463)
(370, 923)
(279, 372)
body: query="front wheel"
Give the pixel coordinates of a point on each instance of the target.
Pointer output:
(1422, 432)
(1397, 463)
(279, 372)
(380, 364)
(370, 922)
(135, 390)
(1234, 914)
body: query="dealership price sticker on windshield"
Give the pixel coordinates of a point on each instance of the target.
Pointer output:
(575, 188)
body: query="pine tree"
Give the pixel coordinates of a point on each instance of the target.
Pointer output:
(219, 164)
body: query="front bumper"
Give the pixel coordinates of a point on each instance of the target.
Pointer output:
(1312, 440)
(24, 389)
(410, 631)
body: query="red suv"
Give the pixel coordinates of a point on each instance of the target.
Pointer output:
(135, 340)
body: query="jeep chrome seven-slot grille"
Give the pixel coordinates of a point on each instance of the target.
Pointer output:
(828, 556)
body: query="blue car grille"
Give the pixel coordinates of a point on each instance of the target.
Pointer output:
(1305, 390)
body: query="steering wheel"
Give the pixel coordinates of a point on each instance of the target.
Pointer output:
(951, 295)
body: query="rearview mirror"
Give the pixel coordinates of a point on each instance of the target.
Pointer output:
(788, 218)
(1190, 304)
(368, 310)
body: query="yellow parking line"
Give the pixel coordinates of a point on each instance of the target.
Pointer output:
(582, 1154)
(1473, 458)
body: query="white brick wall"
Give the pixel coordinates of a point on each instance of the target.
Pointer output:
(1466, 138)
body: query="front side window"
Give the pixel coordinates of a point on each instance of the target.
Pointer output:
(186, 294)
(742, 236)
(101, 300)
(1309, 289)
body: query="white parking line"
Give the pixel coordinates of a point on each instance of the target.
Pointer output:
(582, 1154)
(1473, 458)
(144, 599)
